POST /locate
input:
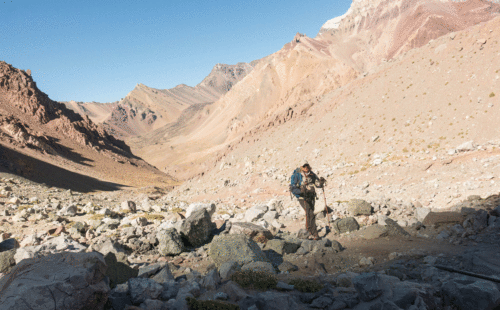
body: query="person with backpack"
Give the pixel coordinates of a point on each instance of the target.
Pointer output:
(302, 186)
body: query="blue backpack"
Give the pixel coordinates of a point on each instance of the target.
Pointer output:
(296, 182)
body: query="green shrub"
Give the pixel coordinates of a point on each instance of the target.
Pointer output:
(492, 94)
(306, 286)
(97, 217)
(194, 304)
(153, 217)
(255, 279)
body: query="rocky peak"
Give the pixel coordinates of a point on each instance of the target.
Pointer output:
(223, 77)
(19, 92)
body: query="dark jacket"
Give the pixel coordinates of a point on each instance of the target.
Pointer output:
(296, 182)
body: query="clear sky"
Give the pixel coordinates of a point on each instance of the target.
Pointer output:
(99, 50)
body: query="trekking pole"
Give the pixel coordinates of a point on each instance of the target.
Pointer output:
(328, 219)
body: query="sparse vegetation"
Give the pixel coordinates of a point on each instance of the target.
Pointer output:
(195, 304)
(153, 217)
(97, 217)
(306, 286)
(492, 94)
(254, 279)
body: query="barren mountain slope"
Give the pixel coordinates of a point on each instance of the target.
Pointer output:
(289, 82)
(44, 141)
(422, 127)
(145, 109)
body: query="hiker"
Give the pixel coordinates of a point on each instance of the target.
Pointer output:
(302, 186)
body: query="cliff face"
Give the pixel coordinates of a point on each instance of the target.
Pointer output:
(373, 31)
(22, 99)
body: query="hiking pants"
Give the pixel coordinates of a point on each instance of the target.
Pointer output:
(308, 205)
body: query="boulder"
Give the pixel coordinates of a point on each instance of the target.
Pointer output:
(108, 246)
(255, 213)
(368, 286)
(476, 221)
(259, 267)
(466, 146)
(68, 211)
(443, 218)
(393, 228)
(9, 244)
(170, 242)
(373, 232)
(238, 248)
(52, 246)
(210, 207)
(119, 297)
(270, 216)
(153, 304)
(467, 294)
(128, 206)
(359, 207)
(234, 291)
(59, 281)
(170, 289)
(164, 275)
(287, 267)
(141, 289)
(421, 213)
(278, 301)
(228, 268)
(149, 270)
(7, 260)
(344, 225)
(197, 229)
(251, 230)
(118, 271)
(211, 281)
(282, 246)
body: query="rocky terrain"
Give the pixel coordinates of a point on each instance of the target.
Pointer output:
(131, 250)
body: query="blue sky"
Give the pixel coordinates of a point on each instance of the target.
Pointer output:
(99, 50)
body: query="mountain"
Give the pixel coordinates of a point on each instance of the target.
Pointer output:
(145, 109)
(420, 128)
(288, 83)
(37, 133)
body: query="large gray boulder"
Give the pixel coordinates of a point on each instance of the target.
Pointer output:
(118, 270)
(393, 228)
(249, 229)
(344, 225)
(141, 289)
(282, 246)
(255, 213)
(59, 281)
(170, 242)
(9, 244)
(7, 260)
(278, 301)
(210, 207)
(359, 207)
(437, 219)
(197, 228)
(467, 294)
(238, 248)
(52, 246)
(368, 285)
